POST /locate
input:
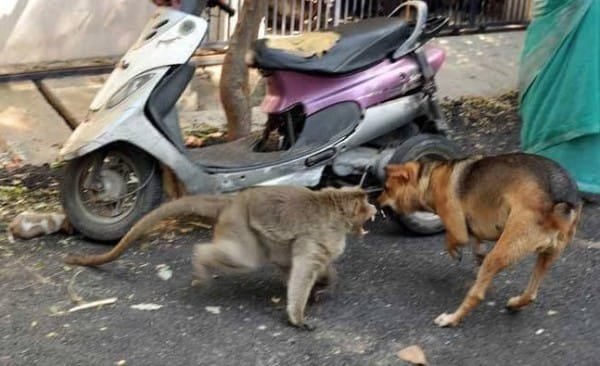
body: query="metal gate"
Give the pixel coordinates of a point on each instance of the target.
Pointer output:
(285, 17)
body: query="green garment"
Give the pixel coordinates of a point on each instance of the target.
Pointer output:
(559, 81)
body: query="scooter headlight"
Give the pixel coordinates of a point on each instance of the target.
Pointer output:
(129, 88)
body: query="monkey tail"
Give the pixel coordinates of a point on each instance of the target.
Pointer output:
(207, 207)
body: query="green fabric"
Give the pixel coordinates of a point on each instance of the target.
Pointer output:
(587, 168)
(559, 81)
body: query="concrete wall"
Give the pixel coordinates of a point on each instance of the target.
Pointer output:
(34, 31)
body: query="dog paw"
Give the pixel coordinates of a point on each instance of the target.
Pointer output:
(455, 253)
(479, 257)
(446, 320)
(517, 303)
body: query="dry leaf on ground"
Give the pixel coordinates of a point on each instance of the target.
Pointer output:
(164, 272)
(413, 354)
(193, 141)
(213, 309)
(146, 306)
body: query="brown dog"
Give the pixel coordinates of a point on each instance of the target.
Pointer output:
(527, 203)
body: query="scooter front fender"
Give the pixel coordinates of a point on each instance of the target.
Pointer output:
(137, 130)
(128, 123)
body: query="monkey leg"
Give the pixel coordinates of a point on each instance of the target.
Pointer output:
(324, 284)
(225, 257)
(303, 276)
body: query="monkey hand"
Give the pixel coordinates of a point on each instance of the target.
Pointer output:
(308, 327)
(304, 326)
(300, 325)
(360, 231)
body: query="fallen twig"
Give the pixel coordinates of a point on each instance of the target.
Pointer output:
(93, 304)
(74, 296)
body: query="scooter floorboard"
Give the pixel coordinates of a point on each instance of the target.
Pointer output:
(241, 154)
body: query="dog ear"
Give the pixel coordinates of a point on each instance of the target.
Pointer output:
(403, 172)
(412, 171)
(395, 171)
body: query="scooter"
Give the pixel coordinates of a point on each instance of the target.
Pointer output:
(337, 119)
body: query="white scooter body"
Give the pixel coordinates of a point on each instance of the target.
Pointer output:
(117, 112)
(136, 107)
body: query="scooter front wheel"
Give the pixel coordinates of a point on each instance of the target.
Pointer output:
(105, 192)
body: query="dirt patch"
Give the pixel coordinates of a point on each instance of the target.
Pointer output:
(485, 125)
(31, 177)
(28, 188)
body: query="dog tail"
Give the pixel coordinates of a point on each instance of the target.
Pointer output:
(207, 207)
(564, 217)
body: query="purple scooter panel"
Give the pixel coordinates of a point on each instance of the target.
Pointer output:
(374, 85)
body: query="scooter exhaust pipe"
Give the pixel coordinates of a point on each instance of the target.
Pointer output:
(386, 117)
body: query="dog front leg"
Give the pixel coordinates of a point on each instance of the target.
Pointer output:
(456, 231)
(493, 263)
(453, 246)
(478, 252)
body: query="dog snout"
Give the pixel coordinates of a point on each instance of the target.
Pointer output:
(382, 201)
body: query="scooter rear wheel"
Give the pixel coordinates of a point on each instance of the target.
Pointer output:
(105, 205)
(414, 148)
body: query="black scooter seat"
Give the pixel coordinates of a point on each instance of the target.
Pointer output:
(361, 44)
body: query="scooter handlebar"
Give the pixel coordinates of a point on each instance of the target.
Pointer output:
(193, 6)
(221, 4)
(421, 20)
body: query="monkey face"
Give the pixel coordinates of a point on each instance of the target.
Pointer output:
(401, 189)
(363, 212)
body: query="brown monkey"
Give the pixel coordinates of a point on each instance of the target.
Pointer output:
(27, 225)
(299, 230)
(205, 206)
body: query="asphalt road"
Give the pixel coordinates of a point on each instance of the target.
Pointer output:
(391, 288)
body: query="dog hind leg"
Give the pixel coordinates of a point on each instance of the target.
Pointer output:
(542, 264)
(507, 251)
